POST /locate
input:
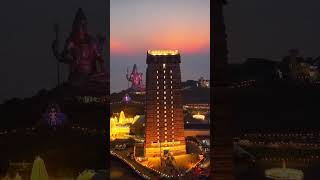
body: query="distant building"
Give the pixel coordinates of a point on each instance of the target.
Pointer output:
(260, 69)
(189, 84)
(164, 114)
(279, 73)
(204, 83)
(294, 67)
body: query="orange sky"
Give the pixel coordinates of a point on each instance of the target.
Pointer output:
(187, 42)
(141, 25)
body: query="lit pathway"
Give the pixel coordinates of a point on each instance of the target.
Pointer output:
(147, 173)
(138, 168)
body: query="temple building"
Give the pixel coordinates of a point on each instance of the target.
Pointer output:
(164, 114)
(120, 125)
(118, 131)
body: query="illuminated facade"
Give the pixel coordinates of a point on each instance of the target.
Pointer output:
(125, 120)
(118, 131)
(199, 116)
(39, 170)
(164, 115)
(120, 127)
(284, 173)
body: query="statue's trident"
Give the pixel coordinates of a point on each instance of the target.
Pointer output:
(128, 77)
(55, 48)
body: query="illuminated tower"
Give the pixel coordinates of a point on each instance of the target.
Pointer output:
(164, 116)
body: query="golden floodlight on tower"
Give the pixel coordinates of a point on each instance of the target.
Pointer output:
(163, 52)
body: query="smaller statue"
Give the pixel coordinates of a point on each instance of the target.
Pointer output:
(292, 64)
(53, 116)
(126, 98)
(135, 78)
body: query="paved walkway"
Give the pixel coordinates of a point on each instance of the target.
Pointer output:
(138, 168)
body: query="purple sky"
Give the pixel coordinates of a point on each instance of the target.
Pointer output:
(139, 25)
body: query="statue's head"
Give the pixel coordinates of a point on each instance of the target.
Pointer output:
(79, 26)
(53, 108)
(134, 68)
